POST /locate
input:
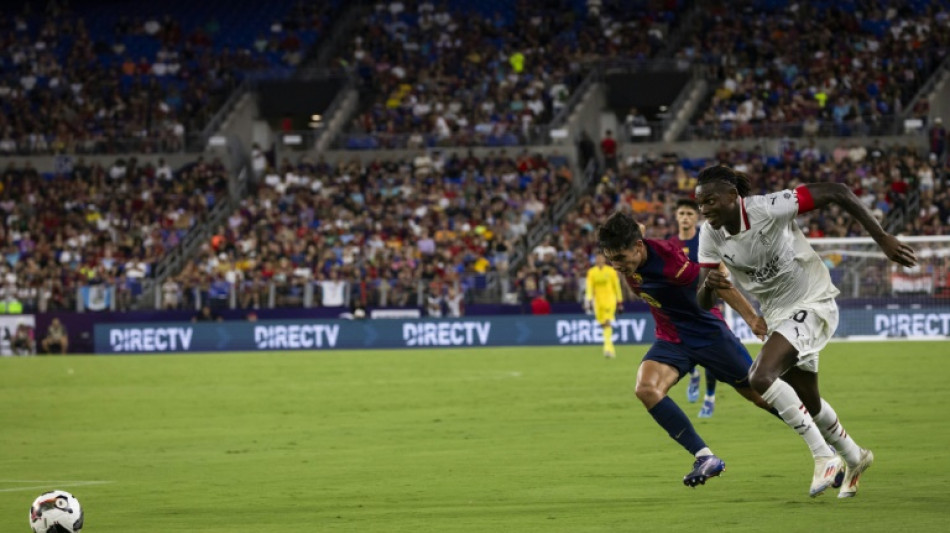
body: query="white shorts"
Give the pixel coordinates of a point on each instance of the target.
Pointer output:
(808, 328)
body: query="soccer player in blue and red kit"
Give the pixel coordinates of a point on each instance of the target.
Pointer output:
(661, 275)
(687, 238)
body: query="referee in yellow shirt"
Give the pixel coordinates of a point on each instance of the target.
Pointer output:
(604, 296)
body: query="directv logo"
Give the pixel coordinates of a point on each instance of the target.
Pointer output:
(149, 339)
(446, 333)
(586, 331)
(296, 336)
(912, 324)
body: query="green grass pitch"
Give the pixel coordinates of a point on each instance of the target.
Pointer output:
(480, 440)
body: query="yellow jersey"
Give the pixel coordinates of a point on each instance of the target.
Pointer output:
(603, 286)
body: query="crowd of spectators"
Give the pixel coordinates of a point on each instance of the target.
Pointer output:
(418, 232)
(95, 226)
(376, 233)
(814, 68)
(144, 81)
(450, 74)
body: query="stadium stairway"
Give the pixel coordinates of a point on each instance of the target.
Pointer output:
(581, 113)
(232, 118)
(320, 58)
(238, 161)
(936, 91)
(685, 106)
(231, 133)
(689, 24)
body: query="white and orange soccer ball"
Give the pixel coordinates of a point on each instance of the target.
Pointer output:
(56, 512)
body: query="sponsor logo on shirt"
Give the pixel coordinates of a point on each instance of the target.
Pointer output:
(768, 271)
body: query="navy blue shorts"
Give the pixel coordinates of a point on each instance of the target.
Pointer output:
(727, 359)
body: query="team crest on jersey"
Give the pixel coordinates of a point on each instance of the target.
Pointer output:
(787, 195)
(636, 278)
(763, 239)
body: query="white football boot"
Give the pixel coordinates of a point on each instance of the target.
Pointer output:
(826, 468)
(849, 487)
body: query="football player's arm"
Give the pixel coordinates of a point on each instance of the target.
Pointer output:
(710, 283)
(710, 278)
(736, 300)
(818, 195)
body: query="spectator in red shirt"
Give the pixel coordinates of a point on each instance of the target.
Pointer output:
(540, 305)
(608, 147)
(899, 187)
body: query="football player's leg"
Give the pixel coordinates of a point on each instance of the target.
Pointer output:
(692, 389)
(661, 368)
(856, 458)
(605, 316)
(728, 361)
(777, 357)
(709, 402)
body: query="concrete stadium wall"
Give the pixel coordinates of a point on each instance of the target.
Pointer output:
(690, 149)
(50, 163)
(567, 149)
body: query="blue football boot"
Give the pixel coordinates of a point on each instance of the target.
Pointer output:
(708, 407)
(704, 468)
(692, 391)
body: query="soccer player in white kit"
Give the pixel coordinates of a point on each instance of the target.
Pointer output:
(765, 251)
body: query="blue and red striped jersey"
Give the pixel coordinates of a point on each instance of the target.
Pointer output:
(667, 282)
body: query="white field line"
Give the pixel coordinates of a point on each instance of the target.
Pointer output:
(871, 338)
(50, 485)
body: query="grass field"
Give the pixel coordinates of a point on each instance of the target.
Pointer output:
(530, 439)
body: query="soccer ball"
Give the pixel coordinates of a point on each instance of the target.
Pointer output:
(56, 512)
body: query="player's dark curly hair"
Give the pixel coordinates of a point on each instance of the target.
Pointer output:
(619, 231)
(687, 202)
(728, 175)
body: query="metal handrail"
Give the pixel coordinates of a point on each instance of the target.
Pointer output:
(883, 125)
(927, 87)
(173, 261)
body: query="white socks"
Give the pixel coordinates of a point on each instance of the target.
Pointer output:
(705, 451)
(782, 397)
(835, 435)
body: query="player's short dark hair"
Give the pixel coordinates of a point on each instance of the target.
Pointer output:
(687, 202)
(727, 175)
(619, 231)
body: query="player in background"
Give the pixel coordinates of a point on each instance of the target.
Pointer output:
(762, 246)
(604, 297)
(687, 237)
(660, 274)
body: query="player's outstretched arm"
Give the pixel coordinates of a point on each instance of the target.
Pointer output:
(821, 194)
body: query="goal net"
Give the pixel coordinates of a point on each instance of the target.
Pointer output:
(880, 299)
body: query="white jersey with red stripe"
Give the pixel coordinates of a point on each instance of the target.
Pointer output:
(770, 257)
